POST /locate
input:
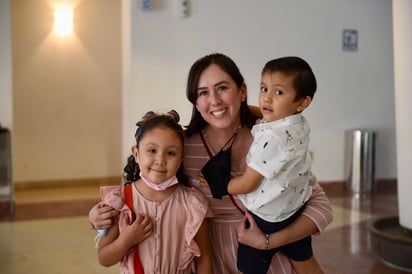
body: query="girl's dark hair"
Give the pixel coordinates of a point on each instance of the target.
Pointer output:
(197, 123)
(304, 81)
(150, 121)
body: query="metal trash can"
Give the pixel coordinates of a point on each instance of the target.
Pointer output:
(5, 157)
(6, 181)
(360, 161)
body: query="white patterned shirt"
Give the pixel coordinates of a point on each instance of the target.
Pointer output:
(280, 152)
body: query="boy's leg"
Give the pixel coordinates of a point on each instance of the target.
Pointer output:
(310, 266)
(301, 256)
(254, 261)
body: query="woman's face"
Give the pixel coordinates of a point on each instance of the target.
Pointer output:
(219, 98)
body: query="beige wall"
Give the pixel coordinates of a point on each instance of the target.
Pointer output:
(66, 92)
(66, 108)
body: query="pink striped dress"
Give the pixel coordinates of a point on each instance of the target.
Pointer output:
(226, 217)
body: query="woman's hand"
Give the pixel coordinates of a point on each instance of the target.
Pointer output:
(202, 182)
(250, 234)
(101, 216)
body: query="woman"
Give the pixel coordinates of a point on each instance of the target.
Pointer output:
(218, 92)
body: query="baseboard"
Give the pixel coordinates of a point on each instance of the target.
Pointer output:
(330, 187)
(101, 181)
(380, 186)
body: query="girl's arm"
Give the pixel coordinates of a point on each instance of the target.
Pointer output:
(246, 183)
(204, 262)
(114, 245)
(109, 250)
(314, 219)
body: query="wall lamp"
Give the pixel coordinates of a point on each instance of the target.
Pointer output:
(63, 20)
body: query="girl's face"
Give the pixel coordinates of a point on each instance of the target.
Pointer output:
(159, 154)
(219, 98)
(277, 96)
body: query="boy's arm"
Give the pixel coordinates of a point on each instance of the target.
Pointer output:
(246, 183)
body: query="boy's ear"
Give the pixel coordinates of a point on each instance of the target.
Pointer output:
(304, 103)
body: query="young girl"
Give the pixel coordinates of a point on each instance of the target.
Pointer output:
(175, 240)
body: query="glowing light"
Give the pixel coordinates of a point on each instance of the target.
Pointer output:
(63, 20)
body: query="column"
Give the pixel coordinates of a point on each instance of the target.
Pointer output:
(402, 35)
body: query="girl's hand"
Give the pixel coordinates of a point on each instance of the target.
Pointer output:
(137, 231)
(101, 216)
(250, 234)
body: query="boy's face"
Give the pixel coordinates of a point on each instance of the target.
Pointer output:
(277, 96)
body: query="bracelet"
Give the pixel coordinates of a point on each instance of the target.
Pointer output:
(266, 241)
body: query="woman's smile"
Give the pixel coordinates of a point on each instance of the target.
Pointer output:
(218, 113)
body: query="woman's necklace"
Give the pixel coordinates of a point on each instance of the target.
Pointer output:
(215, 143)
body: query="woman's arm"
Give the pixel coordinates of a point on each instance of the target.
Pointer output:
(318, 208)
(314, 219)
(254, 237)
(204, 262)
(101, 216)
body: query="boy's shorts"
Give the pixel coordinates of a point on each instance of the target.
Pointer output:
(251, 260)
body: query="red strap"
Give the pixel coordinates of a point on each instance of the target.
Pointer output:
(128, 196)
(236, 205)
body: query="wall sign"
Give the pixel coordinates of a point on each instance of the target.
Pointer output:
(350, 40)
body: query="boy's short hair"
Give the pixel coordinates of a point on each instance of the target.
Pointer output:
(304, 80)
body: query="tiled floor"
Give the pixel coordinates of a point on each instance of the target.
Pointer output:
(346, 247)
(50, 233)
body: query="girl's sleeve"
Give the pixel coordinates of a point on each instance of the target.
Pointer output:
(112, 196)
(318, 208)
(198, 209)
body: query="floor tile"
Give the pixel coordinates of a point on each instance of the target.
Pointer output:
(52, 246)
(49, 232)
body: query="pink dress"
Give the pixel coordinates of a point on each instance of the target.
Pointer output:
(226, 217)
(171, 248)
